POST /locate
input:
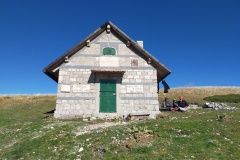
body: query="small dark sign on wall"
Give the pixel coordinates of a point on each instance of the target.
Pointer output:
(134, 63)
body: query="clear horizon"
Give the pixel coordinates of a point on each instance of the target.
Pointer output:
(199, 41)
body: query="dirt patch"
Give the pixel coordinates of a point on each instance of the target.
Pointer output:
(135, 140)
(89, 128)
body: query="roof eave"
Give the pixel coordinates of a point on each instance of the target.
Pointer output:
(48, 69)
(49, 74)
(142, 50)
(52, 66)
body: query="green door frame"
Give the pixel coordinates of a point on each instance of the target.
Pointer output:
(108, 96)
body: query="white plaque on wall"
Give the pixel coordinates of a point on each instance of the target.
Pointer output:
(109, 62)
(81, 88)
(65, 88)
(134, 88)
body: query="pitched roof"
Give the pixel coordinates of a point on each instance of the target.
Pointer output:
(52, 69)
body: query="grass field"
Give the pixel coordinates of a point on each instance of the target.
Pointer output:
(28, 132)
(196, 94)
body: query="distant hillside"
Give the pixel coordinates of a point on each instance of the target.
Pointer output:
(196, 94)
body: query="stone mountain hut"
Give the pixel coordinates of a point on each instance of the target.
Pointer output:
(107, 75)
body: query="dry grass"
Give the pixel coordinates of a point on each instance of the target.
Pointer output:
(11, 100)
(196, 94)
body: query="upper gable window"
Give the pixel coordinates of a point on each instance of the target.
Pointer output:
(109, 51)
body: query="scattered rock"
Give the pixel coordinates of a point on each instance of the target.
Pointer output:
(218, 106)
(85, 119)
(93, 118)
(80, 150)
(99, 152)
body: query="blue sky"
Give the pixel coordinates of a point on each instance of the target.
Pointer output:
(198, 40)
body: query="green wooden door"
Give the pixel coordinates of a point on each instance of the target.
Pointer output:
(107, 96)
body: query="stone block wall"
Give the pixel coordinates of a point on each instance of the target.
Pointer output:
(78, 87)
(145, 100)
(75, 103)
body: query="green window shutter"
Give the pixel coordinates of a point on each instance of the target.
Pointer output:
(109, 51)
